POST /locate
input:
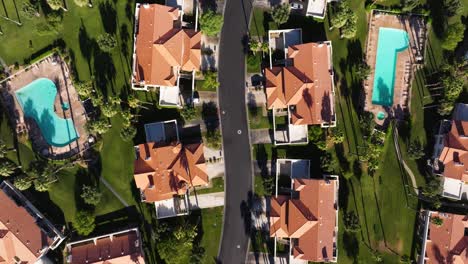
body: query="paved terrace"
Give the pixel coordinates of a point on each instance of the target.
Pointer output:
(407, 60)
(55, 69)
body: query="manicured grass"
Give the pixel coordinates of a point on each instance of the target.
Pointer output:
(254, 62)
(260, 23)
(257, 120)
(258, 186)
(212, 225)
(199, 86)
(218, 186)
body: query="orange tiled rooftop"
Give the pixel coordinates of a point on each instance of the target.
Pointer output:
(448, 243)
(163, 46)
(21, 236)
(307, 84)
(454, 155)
(310, 218)
(164, 170)
(112, 249)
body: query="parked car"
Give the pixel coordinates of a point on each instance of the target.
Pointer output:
(296, 6)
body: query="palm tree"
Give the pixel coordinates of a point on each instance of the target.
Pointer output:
(98, 126)
(115, 100)
(134, 102)
(7, 168)
(265, 48)
(3, 150)
(84, 89)
(109, 110)
(127, 117)
(97, 100)
(128, 133)
(254, 46)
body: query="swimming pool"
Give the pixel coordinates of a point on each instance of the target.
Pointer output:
(37, 100)
(391, 41)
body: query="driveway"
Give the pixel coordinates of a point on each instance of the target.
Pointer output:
(208, 200)
(236, 143)
(261, 136)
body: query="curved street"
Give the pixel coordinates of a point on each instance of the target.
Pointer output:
(236, 143)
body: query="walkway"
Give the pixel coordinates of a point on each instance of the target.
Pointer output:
(261, 136)
(208, 200)
(235, 133)
(402, 161)
(114, 192)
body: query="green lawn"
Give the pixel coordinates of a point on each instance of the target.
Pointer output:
(261, 22)
(254, 62)
(257, 120)
(212, 222)
(218, 186)
(258, 186)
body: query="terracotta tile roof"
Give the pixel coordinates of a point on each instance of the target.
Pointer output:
(162, 46)
(307, 84)
(448, 243)
(162, 171)
(454, 155)
(115, 249)
(20, 234)
(310, 218)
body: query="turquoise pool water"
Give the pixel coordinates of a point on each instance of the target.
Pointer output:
(390, 42)
(37, 100)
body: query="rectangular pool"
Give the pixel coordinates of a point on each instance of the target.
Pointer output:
(391, 41)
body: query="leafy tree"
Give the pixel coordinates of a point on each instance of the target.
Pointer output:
(84, 89)
(453, 86)
(54, 19)
(315, 133)
(211, 81)
(432, 188)
(188, 113)
(81, 3)
(437, 221)
(55, 4)
(415, 150)
(84, 223)
(341, 15)
(109, 110)
(453, 36)
(211, 23)
(349, 30)
(7, 168)
(106, 42)
(128, 133)
(175, 245)
(91, 195)
(23, 182)
(445, 108)
(99, 126)
(337, 135)
(43, 29)
(363, 71)
(29, 11)
(280, 13)
(321, 144)
(351, 222)
(367, 124)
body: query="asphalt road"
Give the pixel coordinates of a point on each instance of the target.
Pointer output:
(237, 153)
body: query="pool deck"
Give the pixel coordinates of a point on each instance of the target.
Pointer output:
(407, 61)
(55, 69)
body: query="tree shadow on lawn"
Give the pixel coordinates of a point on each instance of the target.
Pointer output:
(312, 31)
(439, 20)
(87, 45)
(108, 17)
(104, 71)
(351, 245)
(42, 201)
